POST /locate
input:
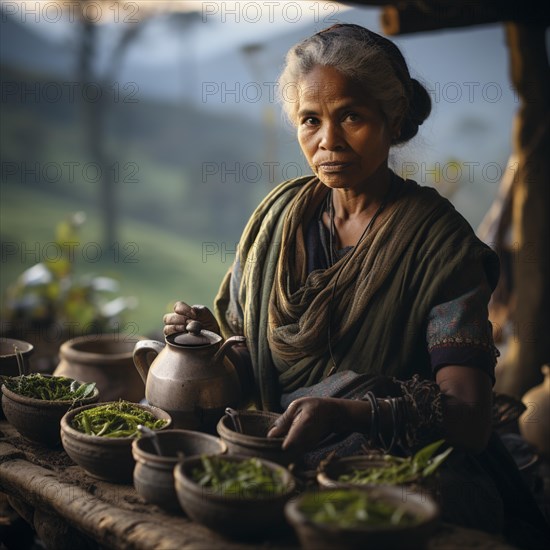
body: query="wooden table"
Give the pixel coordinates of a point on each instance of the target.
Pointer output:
(71, 510)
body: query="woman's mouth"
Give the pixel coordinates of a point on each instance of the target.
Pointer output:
(334, 166)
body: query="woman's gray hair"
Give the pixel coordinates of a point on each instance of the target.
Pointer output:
(371, 60)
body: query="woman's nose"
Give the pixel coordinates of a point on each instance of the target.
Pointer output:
(331, 137)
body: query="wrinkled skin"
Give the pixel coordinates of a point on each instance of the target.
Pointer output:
(184, 313)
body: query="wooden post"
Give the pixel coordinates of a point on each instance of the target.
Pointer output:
(530, 345)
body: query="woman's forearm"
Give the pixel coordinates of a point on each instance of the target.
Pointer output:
(464, 421)
(467, 406)
(456, 407)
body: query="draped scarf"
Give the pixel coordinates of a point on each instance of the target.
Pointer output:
(381, 301)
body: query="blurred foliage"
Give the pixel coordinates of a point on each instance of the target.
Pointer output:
(171, 266)
(50, 292)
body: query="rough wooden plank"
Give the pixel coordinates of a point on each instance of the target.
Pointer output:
(117, 518)
(112, 526)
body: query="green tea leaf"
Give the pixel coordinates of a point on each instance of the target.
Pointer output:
(436, 462)
(423, 456)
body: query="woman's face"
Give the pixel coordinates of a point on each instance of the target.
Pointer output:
(342, 133)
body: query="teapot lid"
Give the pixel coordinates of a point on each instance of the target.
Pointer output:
(195, 336)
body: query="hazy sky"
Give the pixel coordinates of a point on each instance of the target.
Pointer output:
(465, 70)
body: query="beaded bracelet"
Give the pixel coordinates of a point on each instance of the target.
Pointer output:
(416, 415)
(422, 407)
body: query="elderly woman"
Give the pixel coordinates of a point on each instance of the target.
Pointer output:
(362, 296)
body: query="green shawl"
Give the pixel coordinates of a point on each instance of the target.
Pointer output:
(417, 247)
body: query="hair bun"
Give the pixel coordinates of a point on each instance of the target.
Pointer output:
(420, 103)
(420, 106)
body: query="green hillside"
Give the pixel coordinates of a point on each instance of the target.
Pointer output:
(152, 264)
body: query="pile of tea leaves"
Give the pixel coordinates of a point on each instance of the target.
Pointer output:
(353, 508)
(246, 479)
(397, 470)
(348, 508)
(120, 419)
(48, 388)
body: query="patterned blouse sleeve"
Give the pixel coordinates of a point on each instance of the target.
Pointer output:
(459, 331)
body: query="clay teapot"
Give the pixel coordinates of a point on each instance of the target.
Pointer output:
(189, 376)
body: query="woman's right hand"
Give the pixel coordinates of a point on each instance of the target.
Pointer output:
(183, 314)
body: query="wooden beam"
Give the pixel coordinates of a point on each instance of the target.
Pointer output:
(410, 16)
(407, 19)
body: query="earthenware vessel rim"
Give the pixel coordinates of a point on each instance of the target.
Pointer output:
(143, 456)
(69, 349)
(181, 476)
(111, 441)
(346, 464)
(47, 402)
(428, 510)
(225, 431)
(26, 347)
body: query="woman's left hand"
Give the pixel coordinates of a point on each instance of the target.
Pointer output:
(308, 420)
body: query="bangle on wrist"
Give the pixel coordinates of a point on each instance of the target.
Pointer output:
(374, 437)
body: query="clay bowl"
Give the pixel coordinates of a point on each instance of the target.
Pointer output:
(106, 458)
(8, 359)
(254, 441)
(318, 536)
(237, 516)
(154, 474)
(38, 420)
(329, 474)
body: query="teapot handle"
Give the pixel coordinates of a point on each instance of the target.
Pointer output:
(227, 344)
(142, 351)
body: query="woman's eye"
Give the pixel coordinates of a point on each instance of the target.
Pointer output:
(310, 121)
(352, 117)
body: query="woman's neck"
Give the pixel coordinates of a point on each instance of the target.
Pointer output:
(351, 212)
(354, 204)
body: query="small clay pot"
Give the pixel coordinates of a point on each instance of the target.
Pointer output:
(329, 473)
(38, 420)
(233, 515)
(8, 358)
(318, 536)
(254, 441)
(107, 360)
(154, 474)
(106, 458)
